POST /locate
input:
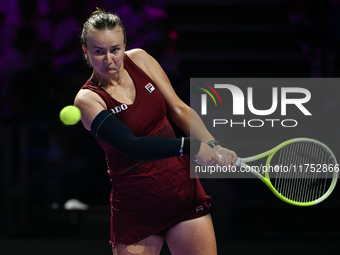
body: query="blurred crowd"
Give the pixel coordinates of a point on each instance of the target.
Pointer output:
(319, 24)
(42, 69)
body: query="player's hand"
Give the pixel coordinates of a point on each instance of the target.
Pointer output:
(206, 156)
(228, 157)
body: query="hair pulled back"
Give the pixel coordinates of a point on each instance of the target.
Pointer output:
(101, 20)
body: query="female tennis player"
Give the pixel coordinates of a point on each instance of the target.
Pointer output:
(124, 105)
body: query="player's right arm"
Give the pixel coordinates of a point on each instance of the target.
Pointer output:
(90, 105)
(97, 119)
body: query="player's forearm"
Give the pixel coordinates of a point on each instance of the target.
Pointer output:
(191, 124)
(198, 129)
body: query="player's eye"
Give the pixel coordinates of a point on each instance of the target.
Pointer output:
(114, 50)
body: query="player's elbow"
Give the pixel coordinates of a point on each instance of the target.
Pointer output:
(179, 113)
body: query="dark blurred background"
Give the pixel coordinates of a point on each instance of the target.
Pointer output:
(44, 164)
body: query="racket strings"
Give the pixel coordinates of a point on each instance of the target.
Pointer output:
(301, 171)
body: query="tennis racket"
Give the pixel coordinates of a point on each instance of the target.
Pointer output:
(301, 171)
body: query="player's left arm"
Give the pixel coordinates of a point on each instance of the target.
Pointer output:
(178, 111)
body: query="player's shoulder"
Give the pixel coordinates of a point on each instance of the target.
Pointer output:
(84, 93)
(84, 96)
(136, 53)
(144, 61)
(138, 56)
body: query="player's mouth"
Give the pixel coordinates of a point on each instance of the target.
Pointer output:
(109, 69)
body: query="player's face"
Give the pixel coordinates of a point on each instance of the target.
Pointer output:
(105, 50)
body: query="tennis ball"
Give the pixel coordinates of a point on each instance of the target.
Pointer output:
(70, 115)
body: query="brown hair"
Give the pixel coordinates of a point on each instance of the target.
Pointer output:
(101, 20)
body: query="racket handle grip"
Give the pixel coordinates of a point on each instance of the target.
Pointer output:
(238, 162)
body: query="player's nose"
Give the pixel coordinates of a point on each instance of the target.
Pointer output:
(108, 57)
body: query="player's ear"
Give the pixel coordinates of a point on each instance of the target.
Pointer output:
(85, 52)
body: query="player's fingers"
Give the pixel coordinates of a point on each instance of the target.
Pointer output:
(233, 157)
(215, 159)
(222, 159)
(226, 160)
